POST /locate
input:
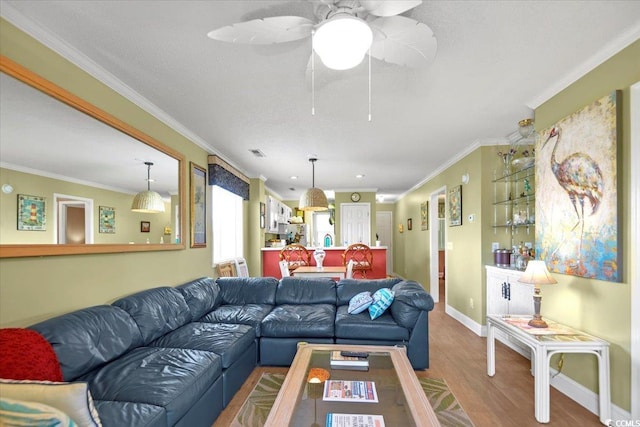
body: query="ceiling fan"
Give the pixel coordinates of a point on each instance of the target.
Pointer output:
(345, 31)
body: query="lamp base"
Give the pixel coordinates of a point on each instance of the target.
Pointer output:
(537, 322)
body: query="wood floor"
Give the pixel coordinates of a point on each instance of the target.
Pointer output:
(459, 356)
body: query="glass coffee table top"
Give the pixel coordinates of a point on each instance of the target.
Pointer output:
(388, 388)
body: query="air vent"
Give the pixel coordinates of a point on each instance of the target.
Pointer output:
(256, 152)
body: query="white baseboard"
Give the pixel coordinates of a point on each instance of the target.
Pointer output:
(471, 324)
(565, 385)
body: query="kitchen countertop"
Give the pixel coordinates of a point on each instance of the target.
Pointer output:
(313, 248)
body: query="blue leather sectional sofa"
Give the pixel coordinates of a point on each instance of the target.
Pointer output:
(176, 356)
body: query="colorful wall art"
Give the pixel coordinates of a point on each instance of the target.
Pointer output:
(576, 193)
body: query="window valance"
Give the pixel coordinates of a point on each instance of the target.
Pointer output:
(226, 176)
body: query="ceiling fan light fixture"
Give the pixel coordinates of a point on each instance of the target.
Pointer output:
(342, 41)
(148, 201)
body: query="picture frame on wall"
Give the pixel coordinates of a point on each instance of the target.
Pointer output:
(198, 207)
(455, 206)
(145, 227)
(32, 213)
(410, 224)
(263, 212)
(424, 216)
(107, 221)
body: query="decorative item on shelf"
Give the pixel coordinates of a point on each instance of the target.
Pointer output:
(537, 274)
(148, 201)
(319, 254)
(313, 199)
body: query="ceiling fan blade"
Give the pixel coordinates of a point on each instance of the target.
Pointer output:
(403, 41)
(388, 7)
(277, 29)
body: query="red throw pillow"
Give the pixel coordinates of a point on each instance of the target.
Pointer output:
(27, 355)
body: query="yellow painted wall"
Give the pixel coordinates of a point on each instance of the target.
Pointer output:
(32, 289)
(127, 222)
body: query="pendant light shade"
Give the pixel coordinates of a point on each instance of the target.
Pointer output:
(313, 199)
(148, 201)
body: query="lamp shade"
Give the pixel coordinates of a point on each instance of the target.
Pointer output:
(147, 202)
(342, 41)
(537, 274)
(313, 199)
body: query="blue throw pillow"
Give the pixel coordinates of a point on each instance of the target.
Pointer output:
(360, 302)
(382, 299)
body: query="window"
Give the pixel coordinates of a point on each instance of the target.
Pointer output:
(227, 220)
(321, 227)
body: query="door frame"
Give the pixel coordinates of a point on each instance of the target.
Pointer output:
(635, 251)
(61, 202)
(388, 217)
(434, 288)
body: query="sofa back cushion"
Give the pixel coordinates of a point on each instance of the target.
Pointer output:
(201, 295)
(88, 338)
(156, 311)
(294, 290)
(348, 288)
(410, 299)
(247, 290)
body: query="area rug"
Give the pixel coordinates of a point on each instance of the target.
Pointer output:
(255, 410)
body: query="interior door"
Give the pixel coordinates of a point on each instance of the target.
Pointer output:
(355, 223)
(384, 230)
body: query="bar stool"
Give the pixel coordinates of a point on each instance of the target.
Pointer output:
(362, 257)
(295, 255)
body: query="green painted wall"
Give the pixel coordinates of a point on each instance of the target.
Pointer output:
(598, 307)
(33, 289)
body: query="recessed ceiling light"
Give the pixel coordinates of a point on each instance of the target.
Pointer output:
(360, 175)
(293, 177)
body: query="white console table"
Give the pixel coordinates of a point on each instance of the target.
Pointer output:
(544, 343)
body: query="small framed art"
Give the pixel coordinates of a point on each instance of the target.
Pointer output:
(455, 206)
(145, 226)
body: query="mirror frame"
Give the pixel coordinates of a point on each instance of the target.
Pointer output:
(32, 79)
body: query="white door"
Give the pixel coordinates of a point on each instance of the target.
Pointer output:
(355, 223)
(384, 230)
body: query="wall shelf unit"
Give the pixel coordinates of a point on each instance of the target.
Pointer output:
(514, 204)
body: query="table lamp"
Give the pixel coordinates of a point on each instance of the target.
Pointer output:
(537, 274)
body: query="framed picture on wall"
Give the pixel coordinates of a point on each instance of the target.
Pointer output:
(424, 216)
(198, 207)
(410, 224)
(455, 206)
(32, 215)
(107, 221)
(263, 212)
(145, 226)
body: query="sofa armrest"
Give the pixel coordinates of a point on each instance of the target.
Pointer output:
(410, 300)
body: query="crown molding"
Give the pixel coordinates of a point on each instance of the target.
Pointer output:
(610, 49)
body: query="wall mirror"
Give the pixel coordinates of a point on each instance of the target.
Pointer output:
(69, 172)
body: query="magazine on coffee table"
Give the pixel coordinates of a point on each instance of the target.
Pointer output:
(354, 420)
(350, 391)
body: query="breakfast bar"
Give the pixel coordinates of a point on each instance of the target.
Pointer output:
(333, 258)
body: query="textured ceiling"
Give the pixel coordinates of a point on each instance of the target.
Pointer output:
(496, 62)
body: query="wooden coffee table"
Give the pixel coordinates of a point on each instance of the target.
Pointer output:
(401, 400)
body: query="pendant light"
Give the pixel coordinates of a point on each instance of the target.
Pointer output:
(313, 199)
(148, 201)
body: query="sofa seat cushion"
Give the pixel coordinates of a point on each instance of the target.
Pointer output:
(119, 414)
(168, 377)
(360, 326)
(248, 314)
(300, 320)
(226, 340)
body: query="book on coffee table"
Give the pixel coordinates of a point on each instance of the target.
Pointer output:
(354, 420)
(338, 361)
(350, 391)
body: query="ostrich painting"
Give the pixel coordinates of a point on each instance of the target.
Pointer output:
(576, 197)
